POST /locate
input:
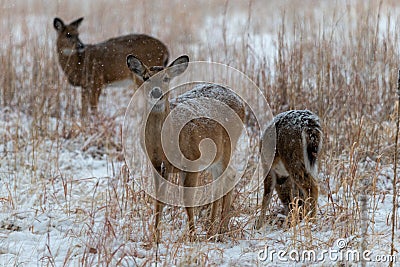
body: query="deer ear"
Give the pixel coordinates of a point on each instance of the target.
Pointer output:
(136, 66)
(77, 22)
(178, 66)
(58, 24)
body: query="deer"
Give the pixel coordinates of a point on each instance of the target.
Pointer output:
(293, 173)
(190, 136)
(95, 66)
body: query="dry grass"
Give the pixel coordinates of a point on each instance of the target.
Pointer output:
(339, 60)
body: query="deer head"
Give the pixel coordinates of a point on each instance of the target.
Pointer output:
(68, 42)
(160, 79)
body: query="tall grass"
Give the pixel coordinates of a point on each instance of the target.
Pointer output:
(339, 60)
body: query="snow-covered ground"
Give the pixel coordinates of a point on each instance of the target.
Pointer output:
(67, 198)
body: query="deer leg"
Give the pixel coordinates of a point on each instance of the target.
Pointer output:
(269, 185)
(212, 225)
(313, 195)
(285, 192)
(226, 206)
(220, 226)
(227, 199)
(94, 98)
(213, 218)
(158, 206)
(190, 180)
(85, 96)
(309, 190)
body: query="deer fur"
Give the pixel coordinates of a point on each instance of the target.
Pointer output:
(293, 173)
(94, 66)
(190, 135)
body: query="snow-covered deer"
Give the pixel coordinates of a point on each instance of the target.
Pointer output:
(293, 173)
(190, 136)
(94, 66)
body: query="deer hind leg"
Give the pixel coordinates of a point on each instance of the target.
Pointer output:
(213, 225)
(221, 226)
(85, 96)
(94, 99)
(227, 199)
(226, 206)
(158, 207)
(216, 192)
(190, 180)
(269, 185)
(286, 192)
(308, 193)
(312, 189)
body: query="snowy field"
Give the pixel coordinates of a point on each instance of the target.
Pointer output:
(67, 197)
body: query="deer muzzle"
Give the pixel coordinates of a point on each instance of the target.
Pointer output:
(156, 93)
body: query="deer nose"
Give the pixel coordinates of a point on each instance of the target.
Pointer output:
(156, 92)
(80, 46)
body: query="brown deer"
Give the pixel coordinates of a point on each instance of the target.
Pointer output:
(190, 136)
(293, 172)
(94, 66)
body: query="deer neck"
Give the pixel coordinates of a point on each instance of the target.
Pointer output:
(72, 63)
(154, 126)
(159, 113)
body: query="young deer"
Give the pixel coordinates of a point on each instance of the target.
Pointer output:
(294, 169)
(190, 135)
(93, 67)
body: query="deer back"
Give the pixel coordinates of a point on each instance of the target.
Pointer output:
(201, 128)
(298, 142)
